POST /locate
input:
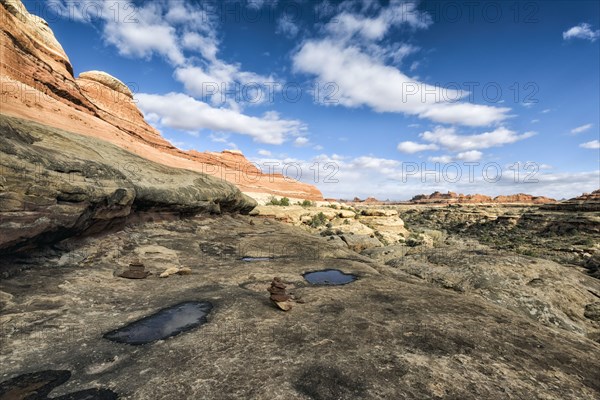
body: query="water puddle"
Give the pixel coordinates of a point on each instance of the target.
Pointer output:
(329, 277)
(38, 385)
(164, 324)
(256, 259)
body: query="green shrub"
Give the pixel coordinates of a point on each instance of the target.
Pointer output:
(273, 201)
(307, 203)
(284, 201)
(318, 220)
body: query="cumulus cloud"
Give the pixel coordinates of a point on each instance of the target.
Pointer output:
(388, 178)
(223, 83)
(581, 31)
(413, 147)
(362, 80)
(179, 111)
(136, 31)
(449, 139)
(594, 145)
(581, 129)
(301, 141)
(264, 153)
(144, 40)
(205, 45)
(469, 156)
(353, 55)
(466, 156)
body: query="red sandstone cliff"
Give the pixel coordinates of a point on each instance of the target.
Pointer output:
(37, 83)
(451, 198)
(585, 202)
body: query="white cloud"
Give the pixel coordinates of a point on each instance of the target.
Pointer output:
(582, 31)
(219, 137)
(264, 153)
(581, 129)
(348, 25)
(179, 111)
(388, 178)
(222, 83)
(301, 141)
(258, 4)
(287, 26)
(205, 45)
(546, 111)
(352, 55)
(402, 51)
(375, 162)
(594, 145)
(467, 156)
(135, 30)
(362, 80)
(143, 40)
(441, 159)
(413, 147)
(179, 31)
(451, 140)
(535, 121)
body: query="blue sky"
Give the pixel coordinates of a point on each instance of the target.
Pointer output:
(409, 93)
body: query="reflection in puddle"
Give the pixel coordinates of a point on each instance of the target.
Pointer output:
(165, 323)
(37, 386)
(329, 277)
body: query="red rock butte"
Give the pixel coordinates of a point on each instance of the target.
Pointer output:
(451, 197)
(37, 84)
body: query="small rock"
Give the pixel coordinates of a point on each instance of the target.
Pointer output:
(136, 271)
(279, 297)
(168, 272)
(184, 271)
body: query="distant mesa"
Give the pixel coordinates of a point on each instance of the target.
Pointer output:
(368, 200)
(586, 202)
(454, 198)
(38, 84)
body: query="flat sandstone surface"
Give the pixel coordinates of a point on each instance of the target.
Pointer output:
(387, 335)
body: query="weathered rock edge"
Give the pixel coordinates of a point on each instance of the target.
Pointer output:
(55, 184)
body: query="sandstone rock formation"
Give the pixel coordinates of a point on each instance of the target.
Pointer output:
(37, 83)
(538, 289)
(522, 198)
(564, 236)
(390, 335)
(586, 202)
(56, 184)
(452, 198)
